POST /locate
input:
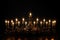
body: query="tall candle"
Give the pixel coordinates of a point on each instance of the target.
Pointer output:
(53, 22)
(13, 24)
(6, 22)
(30, 15)
(23, 19)
(34, 22)
(46, 23)
(18, 23)
(41, 23)
(49, 22)
(25, 22)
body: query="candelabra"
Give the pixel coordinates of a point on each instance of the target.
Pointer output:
(30, 25)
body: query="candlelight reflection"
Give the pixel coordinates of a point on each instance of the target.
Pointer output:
(52, 38)
(19, 39)
(28, 38)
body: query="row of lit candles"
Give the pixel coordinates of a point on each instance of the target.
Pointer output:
(34, 22)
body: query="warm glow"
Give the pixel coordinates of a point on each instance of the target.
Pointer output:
(18, 22)
(19, 38)
(26, 23)
(6, 21)
(37, 19)
(34, 22)
(30, 14)
(16, 19)
(23, 19)
(54, 21)
(52, 39)
(25, 29)
(41, 22)
(11, 21)
(31, 25)
(49, 21)
(34, 28)
(8, 39)
(44, 20)
(46, 39)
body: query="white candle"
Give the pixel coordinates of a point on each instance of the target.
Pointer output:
(18, 23)
(16, 19)
(30, 15)
(25, 22)
(6, 21)
(23, 19)
(37, 19)
(49, 22)
(12, 23)
(43, 20)
(34, 22)
(46, 23)
(53, 22)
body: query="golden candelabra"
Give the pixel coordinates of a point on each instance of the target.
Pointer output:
(30, 25)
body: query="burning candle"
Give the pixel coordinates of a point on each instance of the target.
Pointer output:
(25, 22)
(43, 20)
(46, 23)
(49, 22)
(30, 15)
(41, 23)
(53, 22)
(37, 20)
(12, 23)
(23, 19)
(16, 19)
(18, 23)
(34, 22)
(6, 22)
